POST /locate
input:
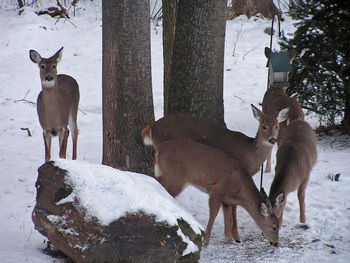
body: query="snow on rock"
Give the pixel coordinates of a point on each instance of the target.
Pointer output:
(121, 192)
(92, 211)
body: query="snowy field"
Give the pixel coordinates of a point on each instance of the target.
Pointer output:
(327, 238)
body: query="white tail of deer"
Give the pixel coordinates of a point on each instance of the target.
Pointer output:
(249, 152)
(276, 99)
(296, 156)
(185, 162)
(57, 104)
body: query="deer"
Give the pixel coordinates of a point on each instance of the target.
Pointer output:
(57, 104)
(276, 99)
(182, 162)
(249, 152)
(296, 156)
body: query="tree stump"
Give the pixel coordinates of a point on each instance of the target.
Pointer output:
(66, 218)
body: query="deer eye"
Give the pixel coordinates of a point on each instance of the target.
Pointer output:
(42, 66)
(53, 66)
(276, 127)
(264, 127)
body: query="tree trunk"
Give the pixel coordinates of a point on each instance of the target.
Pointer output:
(346, 74)
(196, 73)
(169, 22)
(127, 84)
(253, 7)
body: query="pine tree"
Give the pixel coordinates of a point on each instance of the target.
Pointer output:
(320, 74)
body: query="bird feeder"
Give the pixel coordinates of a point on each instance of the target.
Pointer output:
(279, 66)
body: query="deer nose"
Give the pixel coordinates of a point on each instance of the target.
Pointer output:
(48, 78)
(274, 244)
(272, 140)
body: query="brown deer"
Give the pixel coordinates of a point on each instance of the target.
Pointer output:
(296, 156)
(275, 99)
(57, 104)
(249, 152)
(183, 162)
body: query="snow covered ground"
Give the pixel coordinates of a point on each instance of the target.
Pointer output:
(327, 202)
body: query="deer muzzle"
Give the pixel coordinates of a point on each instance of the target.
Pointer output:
(273, 140)
(49, 77)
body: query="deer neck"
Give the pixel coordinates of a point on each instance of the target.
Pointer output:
(261, 150)
(250, 200)
(279, 183)
(51, 95)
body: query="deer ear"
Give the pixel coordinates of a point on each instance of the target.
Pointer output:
(280, 199)
(256, 112)
(34, 56)
(283, 115)
(264, 209)
(267, 52)
(58, 55)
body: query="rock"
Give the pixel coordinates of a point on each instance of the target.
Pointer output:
(83, 210)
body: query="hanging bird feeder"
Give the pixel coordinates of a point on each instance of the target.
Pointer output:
(279, 66)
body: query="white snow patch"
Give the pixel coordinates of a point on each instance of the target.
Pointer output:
(108, 194)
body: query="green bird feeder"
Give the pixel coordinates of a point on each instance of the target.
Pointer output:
(279, 66)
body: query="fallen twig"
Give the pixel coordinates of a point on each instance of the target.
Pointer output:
(28, 131)
(25, 100)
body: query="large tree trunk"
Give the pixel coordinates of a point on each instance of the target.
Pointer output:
(196, 73)
(253, 7)
(169, 23)
(127, 86)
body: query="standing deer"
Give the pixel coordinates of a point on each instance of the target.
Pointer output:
(249, 152)
(179, 163)
(57, 104)
(276, 99)
(296, 156)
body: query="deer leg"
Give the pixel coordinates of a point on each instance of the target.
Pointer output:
(47, 142)
(268, 163)
(234, 224)
(74, 133)
(63, 140)
(215, 201)
(227, 221)
(301, 197)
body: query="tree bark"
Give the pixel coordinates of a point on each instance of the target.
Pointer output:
(127, 84)
(196, 73)
(169, 25)
(346, 74)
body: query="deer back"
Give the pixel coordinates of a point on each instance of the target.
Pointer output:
(250, 152)
(186, 162)
(296, 156)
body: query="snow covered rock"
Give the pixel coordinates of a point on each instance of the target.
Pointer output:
(94, 213)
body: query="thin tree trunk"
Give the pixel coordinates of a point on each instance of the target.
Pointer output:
(196, 74)
(169, 25)
(20, 3)
(127, 86)
(346, 74)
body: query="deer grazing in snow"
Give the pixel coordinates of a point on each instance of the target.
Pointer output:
(251, 153)
(296, 156)
(183, 162)
(276, 99)
(57, 104)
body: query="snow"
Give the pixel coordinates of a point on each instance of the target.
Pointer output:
(327, 202)
(122, 193)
